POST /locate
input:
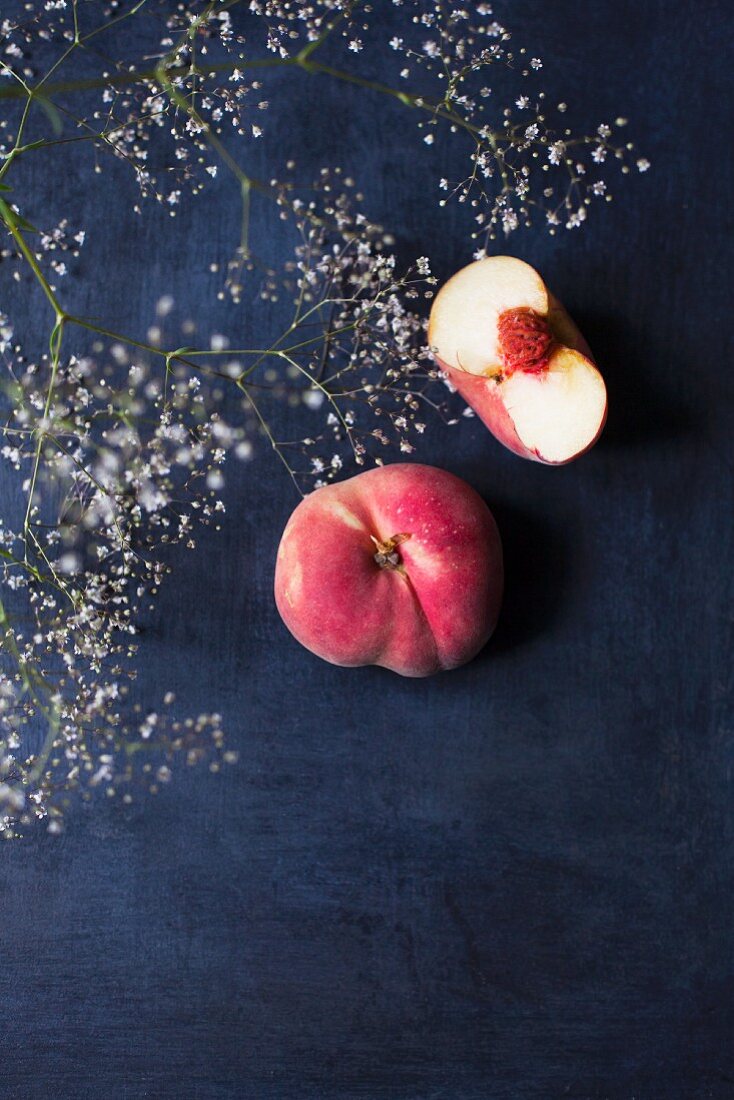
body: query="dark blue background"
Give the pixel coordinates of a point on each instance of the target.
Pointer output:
(511, 881)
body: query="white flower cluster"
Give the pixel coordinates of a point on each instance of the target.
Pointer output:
(117, 468)
(518, 169)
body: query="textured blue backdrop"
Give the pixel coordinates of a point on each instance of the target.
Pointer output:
(512, 881)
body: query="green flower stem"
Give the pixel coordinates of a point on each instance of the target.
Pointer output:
(10, 218)
(266, 429)
(302, 60)
(55, 345)
(330, 397)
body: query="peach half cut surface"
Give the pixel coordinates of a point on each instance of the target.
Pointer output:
(516, 357)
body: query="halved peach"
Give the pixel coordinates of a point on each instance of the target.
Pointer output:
(514, 354)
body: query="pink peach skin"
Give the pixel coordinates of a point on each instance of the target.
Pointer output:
(434, 612)
(483, 396)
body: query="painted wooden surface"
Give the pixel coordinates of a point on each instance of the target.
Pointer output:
(512, 882)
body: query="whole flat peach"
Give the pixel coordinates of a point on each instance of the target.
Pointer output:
(400, 566)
